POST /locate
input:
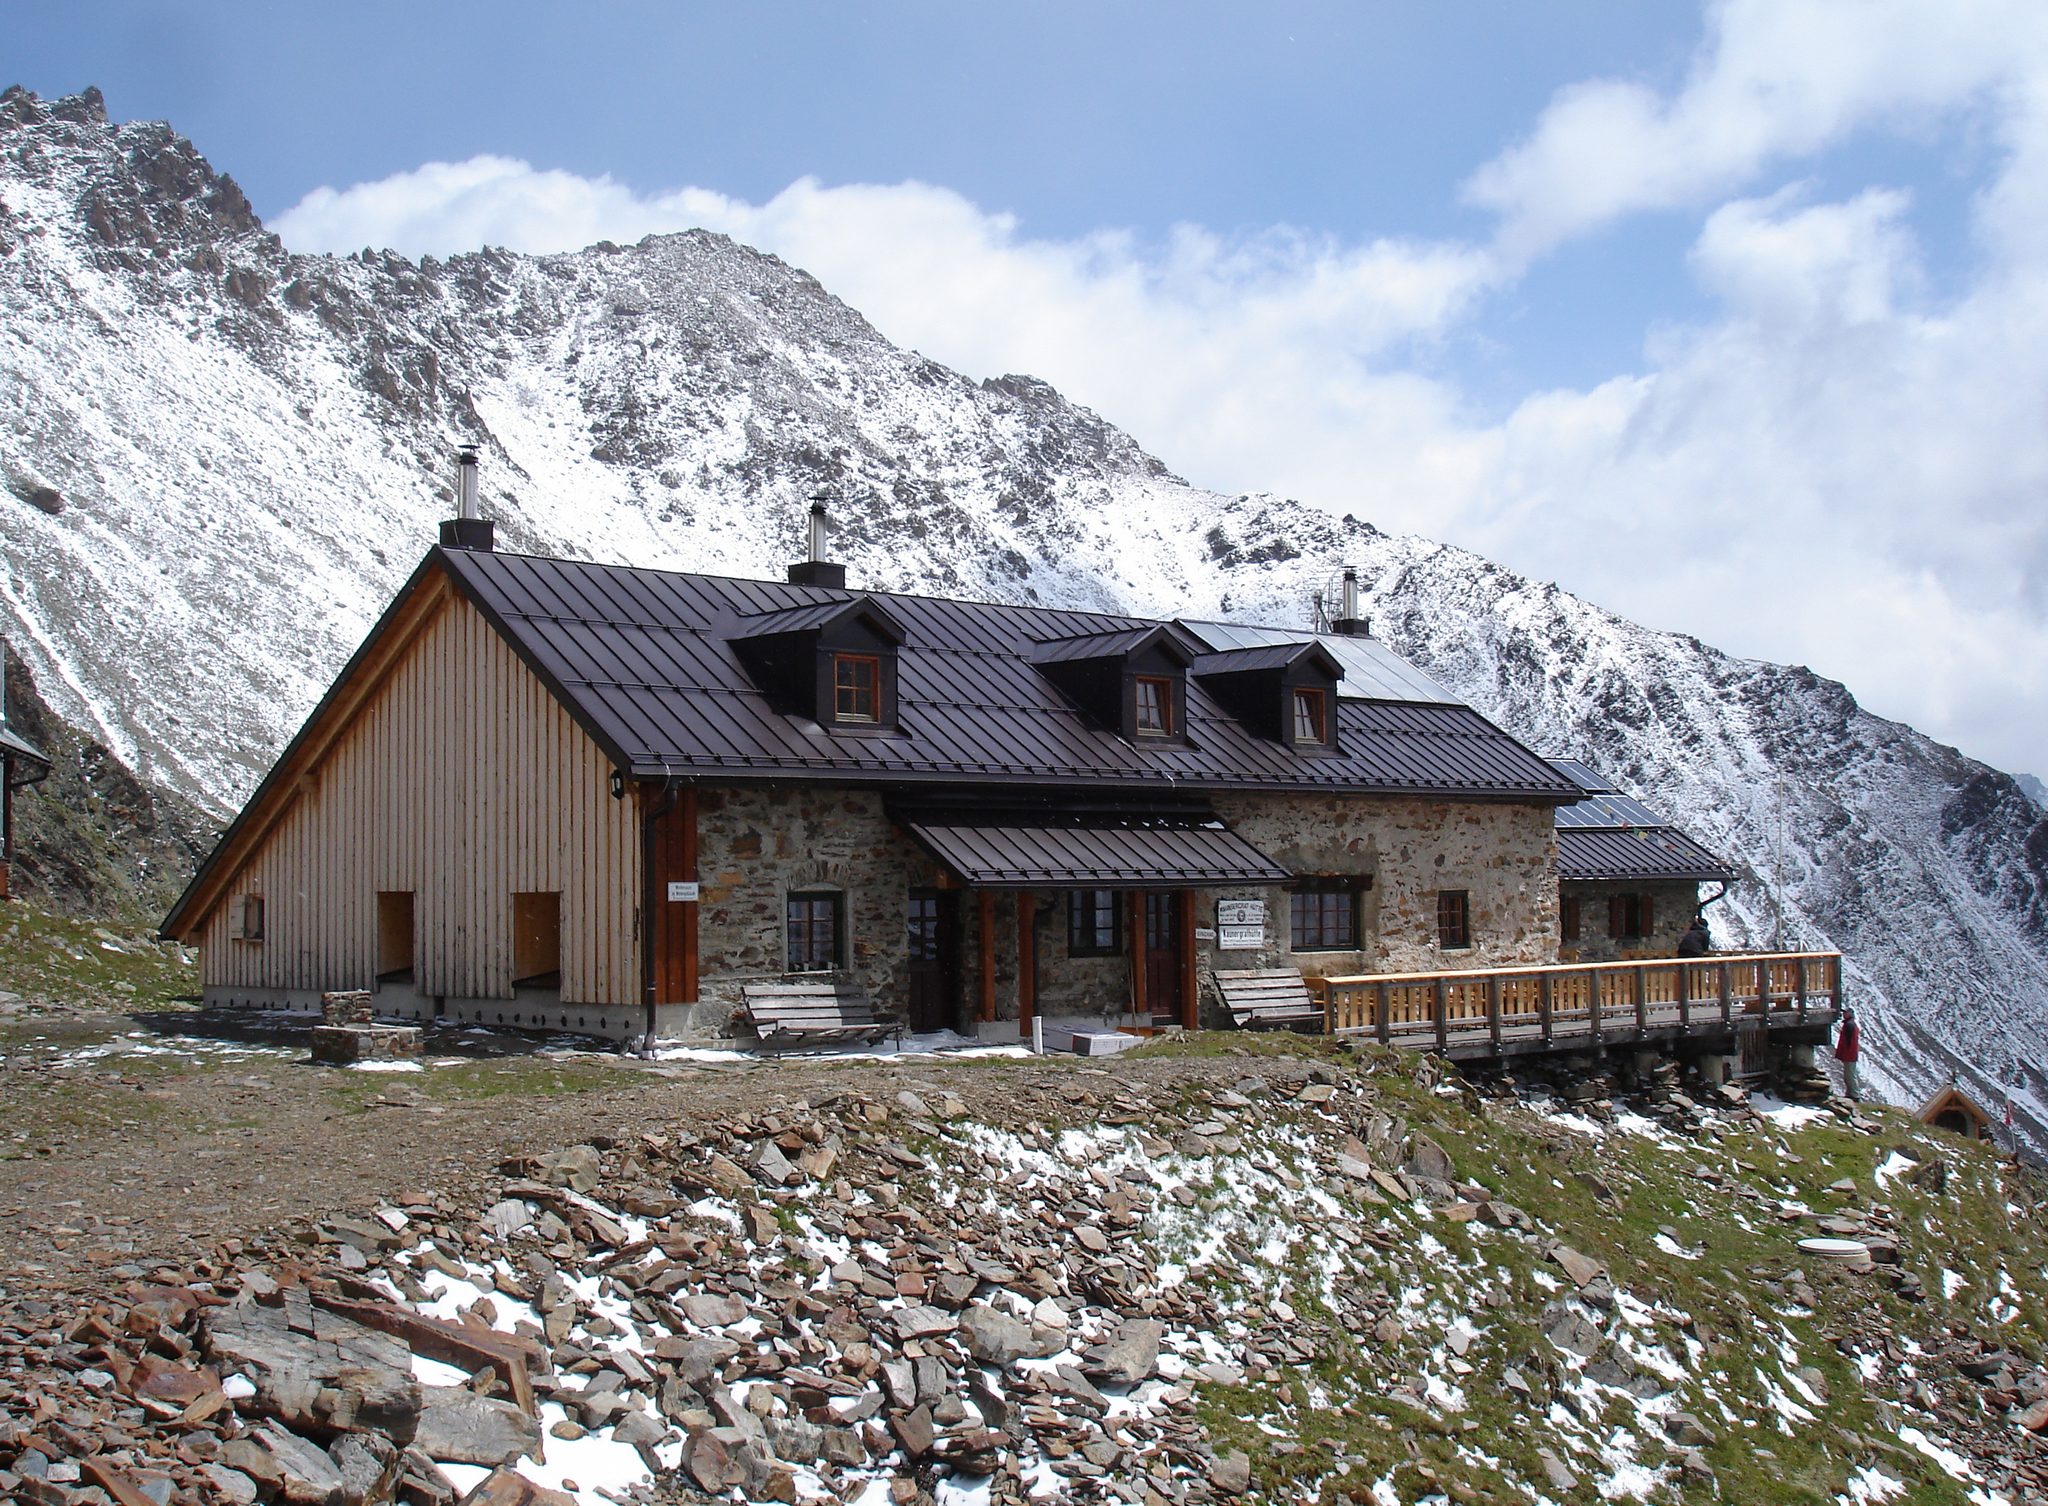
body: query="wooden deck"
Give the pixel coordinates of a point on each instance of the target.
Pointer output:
(1513, 1011)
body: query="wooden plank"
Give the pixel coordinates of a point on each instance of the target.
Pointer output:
(1184, 922)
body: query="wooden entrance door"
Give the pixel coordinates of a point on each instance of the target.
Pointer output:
(1162, 943)
(933, 950)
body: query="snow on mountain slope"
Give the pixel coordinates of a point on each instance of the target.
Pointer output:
(218, 460)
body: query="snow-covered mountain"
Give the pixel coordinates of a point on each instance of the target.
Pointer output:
(218, 459)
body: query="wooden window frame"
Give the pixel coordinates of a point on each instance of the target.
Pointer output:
(833, 903)
(843, 692)
(1308, 932)
(251, 928)
(1164, 685)
(1569, 920)
(1631, 917)
(1314, 700)
(1084, 923)
(1454, 920)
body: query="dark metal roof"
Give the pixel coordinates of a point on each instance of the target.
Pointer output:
(1269, 656)
(1657, 853)
(15, 747)
(1103, 645)
(1094, 857)
(816, 614)
(643, 660)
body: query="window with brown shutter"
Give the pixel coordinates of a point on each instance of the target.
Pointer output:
(1453, 919)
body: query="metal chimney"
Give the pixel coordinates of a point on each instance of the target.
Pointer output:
(816, 571)
(1350, 624)
(466, 530)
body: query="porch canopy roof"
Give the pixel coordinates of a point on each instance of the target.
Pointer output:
(1088, 846)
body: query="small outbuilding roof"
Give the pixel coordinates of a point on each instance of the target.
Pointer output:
(13, 750)
(1606, 836)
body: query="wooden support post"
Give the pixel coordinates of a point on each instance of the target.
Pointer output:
(1548, 1004)
(686, 813)
(1800, 964)
(1383, 1024)
(1493, 1010)
(1685, 998)
(1593, 1004)
(1141, 1000)
(1190, 995)
(1443, 1020)
(1027, 963)
(986, 1009)
(1642, 1001)
(1763, 987)
(1727, 995)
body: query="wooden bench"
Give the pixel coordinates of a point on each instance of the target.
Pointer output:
(814, 1014)
(1269, 999)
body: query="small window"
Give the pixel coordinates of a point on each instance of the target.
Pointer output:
(856, 688)
(816, 921)
(1323, 916)
(1453, 919)
(1311, 716)
(1155, 706)
(1095, 923)
(252, 917)
(537, 940)
(1630, 917)
(1568, 917)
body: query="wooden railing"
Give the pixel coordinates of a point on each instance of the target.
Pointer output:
(1527, 1008)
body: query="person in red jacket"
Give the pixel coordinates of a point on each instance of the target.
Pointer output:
(1848, 1047)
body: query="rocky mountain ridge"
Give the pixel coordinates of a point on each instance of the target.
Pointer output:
(218, 459)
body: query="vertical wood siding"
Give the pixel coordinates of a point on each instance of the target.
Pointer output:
(463, 781)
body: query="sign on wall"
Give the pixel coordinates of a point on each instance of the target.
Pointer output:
(681, 891)
(1240, 925)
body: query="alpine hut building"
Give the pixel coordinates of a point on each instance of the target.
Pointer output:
(549, 793)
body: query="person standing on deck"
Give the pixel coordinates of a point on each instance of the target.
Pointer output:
(1848, 1047)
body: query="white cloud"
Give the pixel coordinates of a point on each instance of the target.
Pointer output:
(1838, 467)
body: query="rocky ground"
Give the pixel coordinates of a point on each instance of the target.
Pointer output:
(1271, 1270)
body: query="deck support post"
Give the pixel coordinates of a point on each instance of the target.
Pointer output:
(1642, 1002)
(1493, 1010)
(1727, 996)
(1548, 1004)
(1443, 1019)
(1800, 964)
(1141, 998)
(985, 1010)
(1027, 962)
(1593, 1004)
(1684, 998)
(1383, 1024)
(1763, 988)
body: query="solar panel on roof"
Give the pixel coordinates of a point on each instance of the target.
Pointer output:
(1372, 671)
(1584, 775)
(1608, 811)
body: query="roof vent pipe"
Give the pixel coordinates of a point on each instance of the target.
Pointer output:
(1350, 624)
(816, 571)
(466, 530)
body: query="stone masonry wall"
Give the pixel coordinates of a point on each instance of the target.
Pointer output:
(1671, 906)
(756, 845)
(1503, 856)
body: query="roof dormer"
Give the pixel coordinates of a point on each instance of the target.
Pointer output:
(831, 661)
(1131, 681)
(1286, 692)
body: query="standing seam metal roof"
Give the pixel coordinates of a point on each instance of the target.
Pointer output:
(643, 659)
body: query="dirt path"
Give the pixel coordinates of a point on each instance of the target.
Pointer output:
(139, 1141)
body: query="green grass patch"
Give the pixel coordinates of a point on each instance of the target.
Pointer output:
(51, 960)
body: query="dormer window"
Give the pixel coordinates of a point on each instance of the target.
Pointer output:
(1311, 716)
(856, 688)
(832, 662)
(1283, 691)
(1155, 706)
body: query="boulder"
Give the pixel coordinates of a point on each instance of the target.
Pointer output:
(1128, 1358)
(995, 1338)
(457, 1426)
(315, 1371)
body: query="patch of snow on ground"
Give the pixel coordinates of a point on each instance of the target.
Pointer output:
(385, 1067)
(601, 1467)
(1895, 1165)
(1870, 1486)
(1786, 1116)
(1951, 1283)
(1671, 1246)
(434, 1373)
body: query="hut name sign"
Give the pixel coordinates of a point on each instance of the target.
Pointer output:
(1240, 925)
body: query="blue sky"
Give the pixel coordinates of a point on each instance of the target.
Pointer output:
(1753, 291)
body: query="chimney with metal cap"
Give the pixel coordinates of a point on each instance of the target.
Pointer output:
(1349, 623)
(817, 571)
(466, 530)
